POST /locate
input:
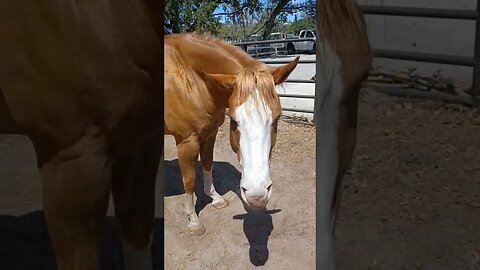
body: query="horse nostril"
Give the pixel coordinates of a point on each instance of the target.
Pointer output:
(269, 187)
(244, 189)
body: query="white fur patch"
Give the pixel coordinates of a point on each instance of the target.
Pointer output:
(194, 220)
(255, 125)
(209, 188)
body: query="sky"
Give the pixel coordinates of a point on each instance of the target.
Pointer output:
(290, 17)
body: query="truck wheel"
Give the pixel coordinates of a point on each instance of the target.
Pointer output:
(290, 48)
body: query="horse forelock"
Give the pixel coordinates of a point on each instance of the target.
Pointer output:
(256, 82)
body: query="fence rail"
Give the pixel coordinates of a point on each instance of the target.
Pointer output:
(424, 57)
(300, 81)
(420, 12)
(246, 43)
(297, 110)
(276, 62)
(296, 96)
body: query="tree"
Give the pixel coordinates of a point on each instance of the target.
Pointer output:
(305, 7)
(240, 17)
(270, 23)
(305, 22)
(191, 15)
(277, 12)
(233, 18)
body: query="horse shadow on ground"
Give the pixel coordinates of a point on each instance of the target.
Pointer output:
(225, 178)
(25, 244)
(257, 225)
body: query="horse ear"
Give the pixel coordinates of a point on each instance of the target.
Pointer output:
(225, 81)
(280, 74)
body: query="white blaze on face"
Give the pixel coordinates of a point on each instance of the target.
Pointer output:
(254, 120)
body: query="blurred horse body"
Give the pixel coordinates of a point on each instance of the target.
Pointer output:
(343, 62)
(82, 79)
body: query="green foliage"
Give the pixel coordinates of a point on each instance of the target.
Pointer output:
(306, 7)
(235, 19)
(206, 22)
(305, 22)
(191, 15)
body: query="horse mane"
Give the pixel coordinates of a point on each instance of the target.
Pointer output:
(236, 52)
(339, 17)
(252, 76)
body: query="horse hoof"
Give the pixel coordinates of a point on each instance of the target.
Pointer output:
(220, 204)
(197, 231)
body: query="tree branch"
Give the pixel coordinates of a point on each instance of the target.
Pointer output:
(228, 13)
(270, 23)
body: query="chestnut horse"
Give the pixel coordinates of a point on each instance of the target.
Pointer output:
(203, 77)
(343, 62)
(82, 79)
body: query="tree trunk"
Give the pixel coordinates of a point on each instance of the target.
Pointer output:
(271, 19)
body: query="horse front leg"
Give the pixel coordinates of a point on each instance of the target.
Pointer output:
(206, 156)
(188, 150)
(133, 190)
(76, 185)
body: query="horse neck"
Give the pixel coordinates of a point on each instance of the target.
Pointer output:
(214, 58)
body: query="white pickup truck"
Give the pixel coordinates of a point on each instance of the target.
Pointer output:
(303, 46)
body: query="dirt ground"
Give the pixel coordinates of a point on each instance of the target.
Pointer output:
(281, 238)
(411, 200)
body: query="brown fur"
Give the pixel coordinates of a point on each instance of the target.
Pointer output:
(203, 77)
(82, 79)
(341, 24)
(210, 75)
(332, 14)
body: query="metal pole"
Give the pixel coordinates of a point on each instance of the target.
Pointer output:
(297, 110)
(244, 47)
(419, 12)
(476, 61)
(424, 57)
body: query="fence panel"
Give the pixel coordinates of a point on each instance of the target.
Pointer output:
(434, 58)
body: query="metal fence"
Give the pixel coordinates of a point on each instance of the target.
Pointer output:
(434, 58)
(396, 54)
(244, 46)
